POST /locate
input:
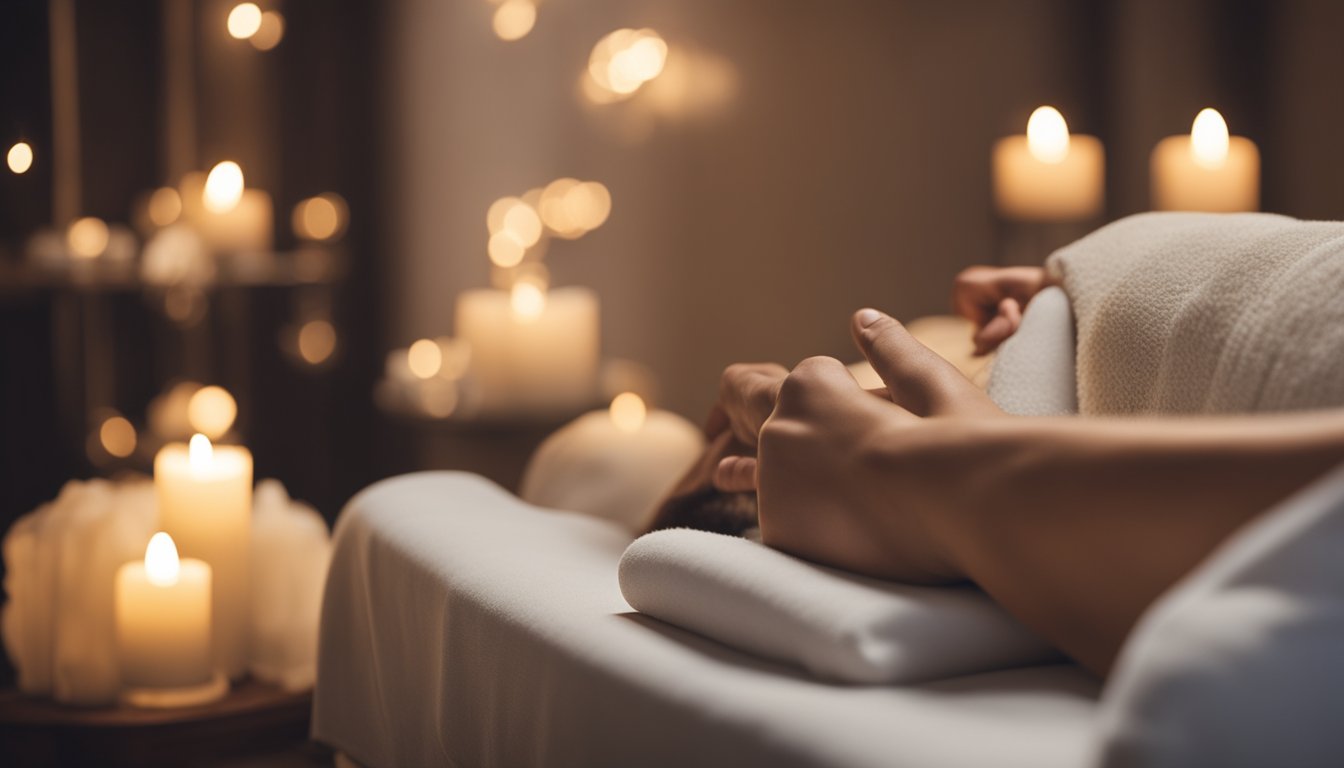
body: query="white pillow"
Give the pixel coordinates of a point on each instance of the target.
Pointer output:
(1242, 664)
(839, 626)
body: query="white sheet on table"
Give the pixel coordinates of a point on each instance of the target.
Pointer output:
(463, 627)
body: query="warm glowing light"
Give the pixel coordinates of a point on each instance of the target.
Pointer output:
(494, 216)
(628, 412)
(438, 398)
(1209, 139)
(528, 300)
(505, 249)
(321, 218)
(200, 453)
(117, 435)
(87, 237)
(161, 563)
(223, 187)
(244, 21)
(624, 60)
(212, 411)
(524, 223)
(1048, 135)
(317, 340)
(20, 157)
(269, 32)
(165, 205)
(570, 207)
(514, 19)
(424, 358)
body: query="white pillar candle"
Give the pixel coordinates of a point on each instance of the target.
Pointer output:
(1048, 174)
(536, 353)
(616, 463)
(1208, 170)
(163, 622)
(205, 503)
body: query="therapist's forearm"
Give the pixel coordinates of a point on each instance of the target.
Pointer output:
(1077, 525)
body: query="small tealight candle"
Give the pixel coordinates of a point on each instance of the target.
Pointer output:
(162, 607)
(1048, 174)
(1208, 170)
(205, 503)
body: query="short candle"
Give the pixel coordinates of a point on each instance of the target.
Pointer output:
(1207, 170)
(1048, 174)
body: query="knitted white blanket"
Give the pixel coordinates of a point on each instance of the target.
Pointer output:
(1207, 313)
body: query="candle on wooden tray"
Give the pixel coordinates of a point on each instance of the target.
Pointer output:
(205, 503)
(163, 628)
(532, 351)
(615, 463)
(1207, 170)
(1048, 174)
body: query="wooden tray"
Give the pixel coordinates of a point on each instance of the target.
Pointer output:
(253, 718)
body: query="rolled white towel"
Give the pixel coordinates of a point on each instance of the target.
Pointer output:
(838, 626)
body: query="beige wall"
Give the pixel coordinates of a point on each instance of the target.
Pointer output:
(849, 168)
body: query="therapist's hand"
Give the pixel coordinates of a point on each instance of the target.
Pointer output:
(994, 298)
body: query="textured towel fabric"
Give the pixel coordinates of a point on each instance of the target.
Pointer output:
(838, 626)
(1207, 313)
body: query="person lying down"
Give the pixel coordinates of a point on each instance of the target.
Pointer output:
(1074, 525)
(991, 298)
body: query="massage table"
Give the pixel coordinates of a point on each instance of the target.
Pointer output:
(465, 627)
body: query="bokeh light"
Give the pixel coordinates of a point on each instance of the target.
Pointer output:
(223, 187)
(165, 205)
(456, 357)
(570, 207)
(321, 218)
(87, 237)
(269, 32)
(628, 412)
(211, 411)
(117, 436)
(20, 157)
(626, 59)
(514, 19)
(244, 21)
(317, 341)
(505, 249)
(424, 359)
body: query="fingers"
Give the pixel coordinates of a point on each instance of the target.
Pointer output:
(997, 330)
(747, 393)
(736, 474)
(906, 366)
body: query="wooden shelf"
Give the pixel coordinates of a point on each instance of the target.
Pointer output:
(253, 718)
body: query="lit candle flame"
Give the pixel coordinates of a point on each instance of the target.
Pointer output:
(628, 412)
(1048, 135)
(1209, 139)
(161, 563)
(528, 300)
(200, 452)
(223, 187)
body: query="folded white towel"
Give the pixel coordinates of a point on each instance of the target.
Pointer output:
(838, 626)
(1207, 313)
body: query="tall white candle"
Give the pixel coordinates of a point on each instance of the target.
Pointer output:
(205, 503)
(1048, 174)
(1207, 170)
(163, 623)
(531, 353)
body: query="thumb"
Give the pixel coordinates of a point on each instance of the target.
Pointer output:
(918, 379)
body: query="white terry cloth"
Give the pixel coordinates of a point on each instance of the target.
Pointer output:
(1034, 371)
(464, 627)
(1207, 313)
(837, 625)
